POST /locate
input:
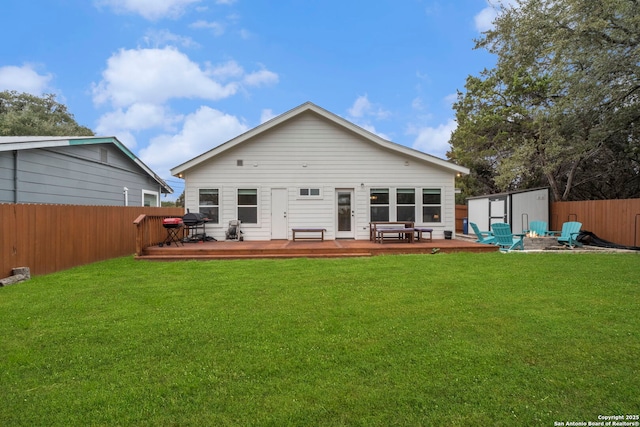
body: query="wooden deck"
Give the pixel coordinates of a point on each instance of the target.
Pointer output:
(305, 249)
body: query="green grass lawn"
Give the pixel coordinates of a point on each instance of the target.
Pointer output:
(446, 339)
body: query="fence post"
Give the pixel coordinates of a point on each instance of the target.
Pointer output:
(139, 223)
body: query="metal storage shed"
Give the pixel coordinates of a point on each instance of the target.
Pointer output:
(517, 208)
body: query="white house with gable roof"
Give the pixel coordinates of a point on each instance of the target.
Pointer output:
(309, 168)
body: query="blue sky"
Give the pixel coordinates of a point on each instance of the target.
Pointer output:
(172, 79)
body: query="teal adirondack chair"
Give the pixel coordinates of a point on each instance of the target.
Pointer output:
(483, 236)
(505, 238)
(569, 234)
(538, 227)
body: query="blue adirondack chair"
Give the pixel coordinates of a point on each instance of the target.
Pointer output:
(569, 234)
(505, 238)
(539, 227)
(483, 236)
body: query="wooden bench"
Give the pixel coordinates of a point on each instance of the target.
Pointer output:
(309, 230)
(420, 230)
(375, 225)
(407, 232)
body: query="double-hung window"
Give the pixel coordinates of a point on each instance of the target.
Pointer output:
(248, 205)
(406, 204)
(431, 205)
(379, 202)
(209, 204)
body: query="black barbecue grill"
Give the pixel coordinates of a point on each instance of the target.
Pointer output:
(194, 221)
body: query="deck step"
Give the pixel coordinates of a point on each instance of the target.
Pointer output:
(203, 257)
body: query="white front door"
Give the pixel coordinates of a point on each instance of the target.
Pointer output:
(345, 214)
(278, 213)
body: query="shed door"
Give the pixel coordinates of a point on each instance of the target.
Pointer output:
(278, 213)
(497, 209)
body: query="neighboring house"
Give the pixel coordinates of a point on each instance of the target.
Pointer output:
(77, 171)
(311, 168)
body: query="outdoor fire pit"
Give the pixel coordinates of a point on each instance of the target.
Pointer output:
(533, 241)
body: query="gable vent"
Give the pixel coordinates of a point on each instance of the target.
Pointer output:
(239, 162)
(104, 155)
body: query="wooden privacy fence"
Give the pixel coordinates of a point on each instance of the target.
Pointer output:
(617, 221)
(49, 238)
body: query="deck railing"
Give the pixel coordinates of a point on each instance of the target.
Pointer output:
(149, 231)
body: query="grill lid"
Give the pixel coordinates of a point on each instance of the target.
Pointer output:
(194, 218)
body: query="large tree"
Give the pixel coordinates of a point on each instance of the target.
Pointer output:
(22, 114)
(561, 106)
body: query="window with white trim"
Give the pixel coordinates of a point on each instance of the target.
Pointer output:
(406, 204)
(309, 193)
(431, 205)
(248, 205)
(379, 203)
(150, 198)
(209, 204)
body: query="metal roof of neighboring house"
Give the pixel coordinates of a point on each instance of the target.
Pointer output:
(309, 106)
(10, 143)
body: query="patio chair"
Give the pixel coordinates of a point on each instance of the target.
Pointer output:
(569, 234)
(234, 232)
(539, 227)
(483, 236)
(505, 238)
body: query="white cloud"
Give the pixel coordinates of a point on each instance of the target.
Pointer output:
(362, 107)
(484, 19)
(216, 27)
(228, 70)
(161, 38)
(417, 104)
(155, 76)
(24, 79)
(149, 9)
(373, 130)
(136, 118)
(203, 130)
(259, 78)
(434, 141)
(139, 85)
(451, 99)
(363, 110)
(266, 115)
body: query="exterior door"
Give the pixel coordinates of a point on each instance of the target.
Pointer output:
(497, 210)
(345, 220)
(278, 213)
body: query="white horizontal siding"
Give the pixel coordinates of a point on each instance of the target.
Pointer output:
(308, 151)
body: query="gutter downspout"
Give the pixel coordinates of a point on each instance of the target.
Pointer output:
(15, 176)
